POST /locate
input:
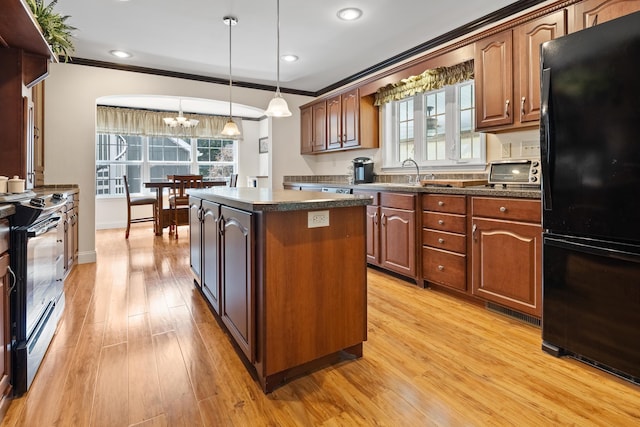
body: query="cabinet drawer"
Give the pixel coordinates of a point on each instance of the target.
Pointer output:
(398, 201)
(443, 240)
(444, 222)
(446, 268)
(444, 203)
(510, 209)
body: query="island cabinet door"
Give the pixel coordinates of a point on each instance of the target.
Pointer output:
(195, 240)
(210, 215)
(237, 285)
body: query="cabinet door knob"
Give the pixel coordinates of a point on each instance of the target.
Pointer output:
(522, 101)
(440, 203)
(441, 221)
(506, 108)
(441, 267)
(503, 209)
(441, 240)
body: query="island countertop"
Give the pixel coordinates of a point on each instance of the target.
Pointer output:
(266, 199)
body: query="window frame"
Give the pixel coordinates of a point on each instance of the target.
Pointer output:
(389, 119)
(146, 164)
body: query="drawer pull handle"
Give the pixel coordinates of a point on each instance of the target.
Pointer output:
(503, 209)
(440, 203)
(441, 240)
(441, 221)
(441, 267)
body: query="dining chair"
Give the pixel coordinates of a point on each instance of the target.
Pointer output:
(137, 201)
(178, 197)
(233, 180)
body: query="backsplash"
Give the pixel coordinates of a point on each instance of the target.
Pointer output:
(384, 178)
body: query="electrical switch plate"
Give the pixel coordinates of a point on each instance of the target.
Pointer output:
(530, 149)
(506, 149)
(317, 219)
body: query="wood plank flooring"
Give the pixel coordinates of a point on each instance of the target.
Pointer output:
(138, 346)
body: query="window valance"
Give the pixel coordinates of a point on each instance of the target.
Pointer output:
(428, 80)
(145, 122)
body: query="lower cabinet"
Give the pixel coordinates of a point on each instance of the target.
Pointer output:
(391, 232)
(444, 240)
(507, 253)
(236, 285)
(195, 238)
(7, 280)
(209, 216)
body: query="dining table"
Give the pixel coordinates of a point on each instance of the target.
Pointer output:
(161, 215)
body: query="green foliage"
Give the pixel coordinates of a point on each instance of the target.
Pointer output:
(56, 32)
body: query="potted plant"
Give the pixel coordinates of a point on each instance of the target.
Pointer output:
(54, 28)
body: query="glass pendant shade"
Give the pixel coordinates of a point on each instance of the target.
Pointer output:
(278, 107)
(230, 128)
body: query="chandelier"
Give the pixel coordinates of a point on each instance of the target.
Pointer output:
(180, 121)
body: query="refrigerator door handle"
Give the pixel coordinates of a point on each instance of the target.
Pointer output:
(545, 133)
(600, 251)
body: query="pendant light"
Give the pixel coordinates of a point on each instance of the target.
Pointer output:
(230, 128)
(278, 106)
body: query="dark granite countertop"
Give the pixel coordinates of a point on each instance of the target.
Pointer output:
(521, 192)
(265, 199)
(7, 210)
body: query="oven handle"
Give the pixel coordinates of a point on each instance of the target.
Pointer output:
(49, 225)
(14, 280)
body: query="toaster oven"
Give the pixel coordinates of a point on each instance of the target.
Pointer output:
(519, 172)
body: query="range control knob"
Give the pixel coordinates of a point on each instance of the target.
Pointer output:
(534, 171)
(535, 164)
(534, 179)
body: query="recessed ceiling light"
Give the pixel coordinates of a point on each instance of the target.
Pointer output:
(349, 14)
(120, 53)
(289, 58)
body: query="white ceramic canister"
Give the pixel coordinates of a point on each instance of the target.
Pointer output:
(15, 185)
(3, 184)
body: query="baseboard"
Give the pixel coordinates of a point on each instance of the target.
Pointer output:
(87, 257)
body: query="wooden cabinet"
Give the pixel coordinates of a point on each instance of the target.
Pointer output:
(7, 280)
(343, 121)
(493, 80)
(506, 245)
(195, 238)
(236, 284)
(527, 40)
(593, 12)
(71, 232)
(313, 124)
(210, 215)
(391, 232)
(37, 164)
(507, 72)
(444, 242)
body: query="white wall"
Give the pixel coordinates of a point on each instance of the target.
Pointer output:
(70, 99)
(70, 109)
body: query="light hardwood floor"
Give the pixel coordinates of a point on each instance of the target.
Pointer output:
(137, 345)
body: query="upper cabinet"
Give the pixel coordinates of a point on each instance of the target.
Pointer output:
(341, 122)
(527, 40)
(593, 12)
(507, 72)
(494, 80)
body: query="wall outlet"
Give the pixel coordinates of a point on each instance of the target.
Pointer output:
(317, 219)
(530, 149)
(506, 149)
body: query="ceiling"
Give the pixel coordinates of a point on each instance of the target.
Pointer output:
(189, 36)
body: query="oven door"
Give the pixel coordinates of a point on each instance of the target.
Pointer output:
(42, 283)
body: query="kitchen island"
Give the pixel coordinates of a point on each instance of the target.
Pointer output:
(285, 273)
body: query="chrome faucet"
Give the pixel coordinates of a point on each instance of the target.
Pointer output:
(410, 160)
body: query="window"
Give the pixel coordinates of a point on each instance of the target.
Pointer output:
(152, 158)
(434, 128)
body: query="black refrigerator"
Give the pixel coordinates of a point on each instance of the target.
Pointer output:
(590, 152)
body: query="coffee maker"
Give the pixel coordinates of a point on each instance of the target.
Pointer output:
(362, 170)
